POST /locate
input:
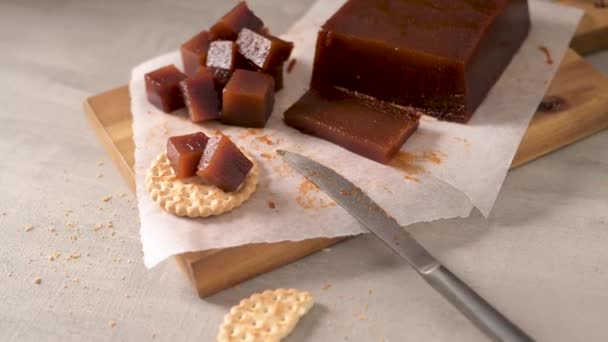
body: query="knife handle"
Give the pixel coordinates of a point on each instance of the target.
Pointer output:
(474, 307)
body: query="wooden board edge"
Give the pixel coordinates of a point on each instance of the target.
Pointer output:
(586, 44)
(185, 268)
(534, 149)
(248, 261)
(108, 144)
(592, 32)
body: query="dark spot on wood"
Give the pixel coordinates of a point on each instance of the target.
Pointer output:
(291, 64)
(552, 104)
(601, 4)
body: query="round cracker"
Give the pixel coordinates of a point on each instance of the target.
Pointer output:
(190, 197)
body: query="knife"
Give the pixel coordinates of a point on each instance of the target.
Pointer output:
(378, 221)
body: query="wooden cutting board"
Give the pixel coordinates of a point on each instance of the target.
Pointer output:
(579, 108)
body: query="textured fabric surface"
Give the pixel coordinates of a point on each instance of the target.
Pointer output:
(541, 257)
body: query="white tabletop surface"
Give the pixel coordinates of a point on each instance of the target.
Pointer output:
(541, 258)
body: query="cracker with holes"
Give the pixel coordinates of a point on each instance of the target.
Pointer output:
(200, 176)
(265, 317)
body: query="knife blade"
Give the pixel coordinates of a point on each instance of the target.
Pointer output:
(378, 221)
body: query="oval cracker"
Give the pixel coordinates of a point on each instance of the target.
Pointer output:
(190, 197)
(265, 317)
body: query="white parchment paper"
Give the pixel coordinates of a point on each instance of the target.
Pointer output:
(445, 169)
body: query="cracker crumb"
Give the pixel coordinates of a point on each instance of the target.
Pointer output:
(54, 256)
(111, 323)
(326, 286)
(28, 228)
(73, 256)
(122, 195)
(99, 163)
(106, 199)
(326, 250)
(96, 227)
(362, 317)
(100, 175)
(51, 229)
(37, 280)
(109, 224)
(73, 237)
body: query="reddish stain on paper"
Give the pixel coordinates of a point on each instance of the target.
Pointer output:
(547, 53)
(413, 163)
(309, 197)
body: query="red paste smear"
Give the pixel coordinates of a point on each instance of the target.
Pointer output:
(308, 197)
(412, 163)
(547, 53)
(257, 135)
(266, 156)
(265, 139)
(248, 133)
